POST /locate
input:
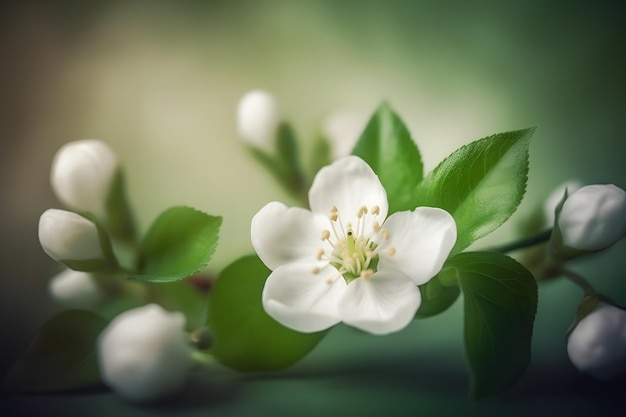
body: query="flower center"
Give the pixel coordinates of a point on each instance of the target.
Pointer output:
(355, 252)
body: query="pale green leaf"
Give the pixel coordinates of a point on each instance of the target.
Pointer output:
(180, 243)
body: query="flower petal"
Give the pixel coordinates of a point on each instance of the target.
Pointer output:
(383, 303)
(282, 234)
(348, 184)
(301, 300)
(419, 242)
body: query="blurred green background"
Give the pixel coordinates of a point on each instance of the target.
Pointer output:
(160, 81)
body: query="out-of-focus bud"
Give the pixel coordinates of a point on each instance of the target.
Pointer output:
(75, 289)
(343, 129)
(593, 217)
(597, 345)
(555, 198)
(82, 174)
(67, 236)
(144, 354)
(258, 118)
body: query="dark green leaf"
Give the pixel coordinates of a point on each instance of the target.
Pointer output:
(61, 357)
(500, 297)
(437, 298)
(386, 145)
(180, 243)
(245, 337)
(480, 184)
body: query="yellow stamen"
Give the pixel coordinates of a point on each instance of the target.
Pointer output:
(366, 273)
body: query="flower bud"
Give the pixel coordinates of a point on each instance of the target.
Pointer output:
(258, 119)
(555, 198)
(143, 353)
(75, 289)
(597, 345)
(67, 236)
(343, 129)
(593, 217)
(82, 174)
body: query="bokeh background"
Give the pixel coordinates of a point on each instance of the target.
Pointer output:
(160, 81)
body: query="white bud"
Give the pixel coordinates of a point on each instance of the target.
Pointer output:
(144, 354)
(69, 236)
(343, 129)
(555, 198)
(593, 217)
(597, 345)
(258, 119)
(75, 289)
(82, 174)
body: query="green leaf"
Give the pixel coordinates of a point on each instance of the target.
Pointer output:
(245, 337)
(321, 154)
(386, 145)
(437, 298)
(180, 243)
(289, 156)
(107, 263)
(181, 296)
(117, 305)
(62, 355)
(120, 222)
(500, 298)
(284, 165)
(481, 184)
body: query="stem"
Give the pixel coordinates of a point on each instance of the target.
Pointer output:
(578, 280)
(203, 358)
(536, 239)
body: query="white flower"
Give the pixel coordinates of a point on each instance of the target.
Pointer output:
(593, 217)
(82, 174)
(143, 353)
(343, 129)
(597, 346)
(75, 289)
(67, 236)
(258, 118)
(342, 261)
(555, 198)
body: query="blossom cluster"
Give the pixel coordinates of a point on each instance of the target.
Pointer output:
(345, 260)
(143, 353)
(348, 254)
(589, 219)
